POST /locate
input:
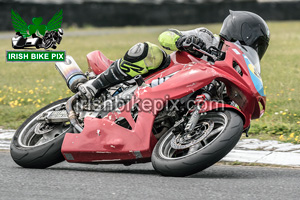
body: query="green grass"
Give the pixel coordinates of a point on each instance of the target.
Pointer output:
(26, 87)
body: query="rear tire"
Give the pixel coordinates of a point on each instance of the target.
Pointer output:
(183, 162)
(31, 150)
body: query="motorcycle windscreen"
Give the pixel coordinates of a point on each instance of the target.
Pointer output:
(253, 64)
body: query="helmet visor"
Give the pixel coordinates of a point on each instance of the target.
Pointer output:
(261, 45)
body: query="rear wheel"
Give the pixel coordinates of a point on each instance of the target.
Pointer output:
(37, 143)
(214, 136)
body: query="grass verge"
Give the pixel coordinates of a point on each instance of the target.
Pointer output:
(26, 87)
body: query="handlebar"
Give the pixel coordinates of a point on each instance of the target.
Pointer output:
(205, 53)
(214, 54)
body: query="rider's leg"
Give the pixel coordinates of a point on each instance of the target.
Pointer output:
(139, 59)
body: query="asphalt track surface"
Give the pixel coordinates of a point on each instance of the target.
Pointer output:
(82, 181)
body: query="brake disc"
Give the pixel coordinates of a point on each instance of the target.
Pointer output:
(186, 140)
(42, 128)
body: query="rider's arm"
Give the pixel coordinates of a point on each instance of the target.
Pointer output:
(172, 38)
(206, 35)
(175, 40)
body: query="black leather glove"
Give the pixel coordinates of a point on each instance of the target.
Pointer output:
(87, 90)
(187, 43)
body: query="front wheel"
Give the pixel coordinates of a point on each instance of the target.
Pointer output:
(37, 143)
(214, 136)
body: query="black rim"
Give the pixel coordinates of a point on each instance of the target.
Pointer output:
(37, 133)
(209, 127)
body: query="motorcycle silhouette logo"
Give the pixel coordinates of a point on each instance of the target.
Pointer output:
(42, 36)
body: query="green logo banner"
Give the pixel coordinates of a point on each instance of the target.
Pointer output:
(35, 56)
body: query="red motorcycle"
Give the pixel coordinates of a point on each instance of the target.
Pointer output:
(183, 118)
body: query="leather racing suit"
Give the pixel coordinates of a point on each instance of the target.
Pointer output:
(145, 58)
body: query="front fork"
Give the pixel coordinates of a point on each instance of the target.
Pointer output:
(192, 122)
(199, 101)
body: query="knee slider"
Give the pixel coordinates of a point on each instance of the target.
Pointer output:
(137, 53)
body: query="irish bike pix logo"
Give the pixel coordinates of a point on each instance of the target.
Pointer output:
(36, 36)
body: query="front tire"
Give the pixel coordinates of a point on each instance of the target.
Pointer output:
(220, 133)
(32, 149)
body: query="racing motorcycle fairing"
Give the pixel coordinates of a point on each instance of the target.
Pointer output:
(98, 62)
(104, 140)
(247, 89)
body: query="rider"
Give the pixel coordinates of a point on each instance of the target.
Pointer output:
(242, 27)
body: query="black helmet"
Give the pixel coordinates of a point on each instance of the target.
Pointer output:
(248, 28)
